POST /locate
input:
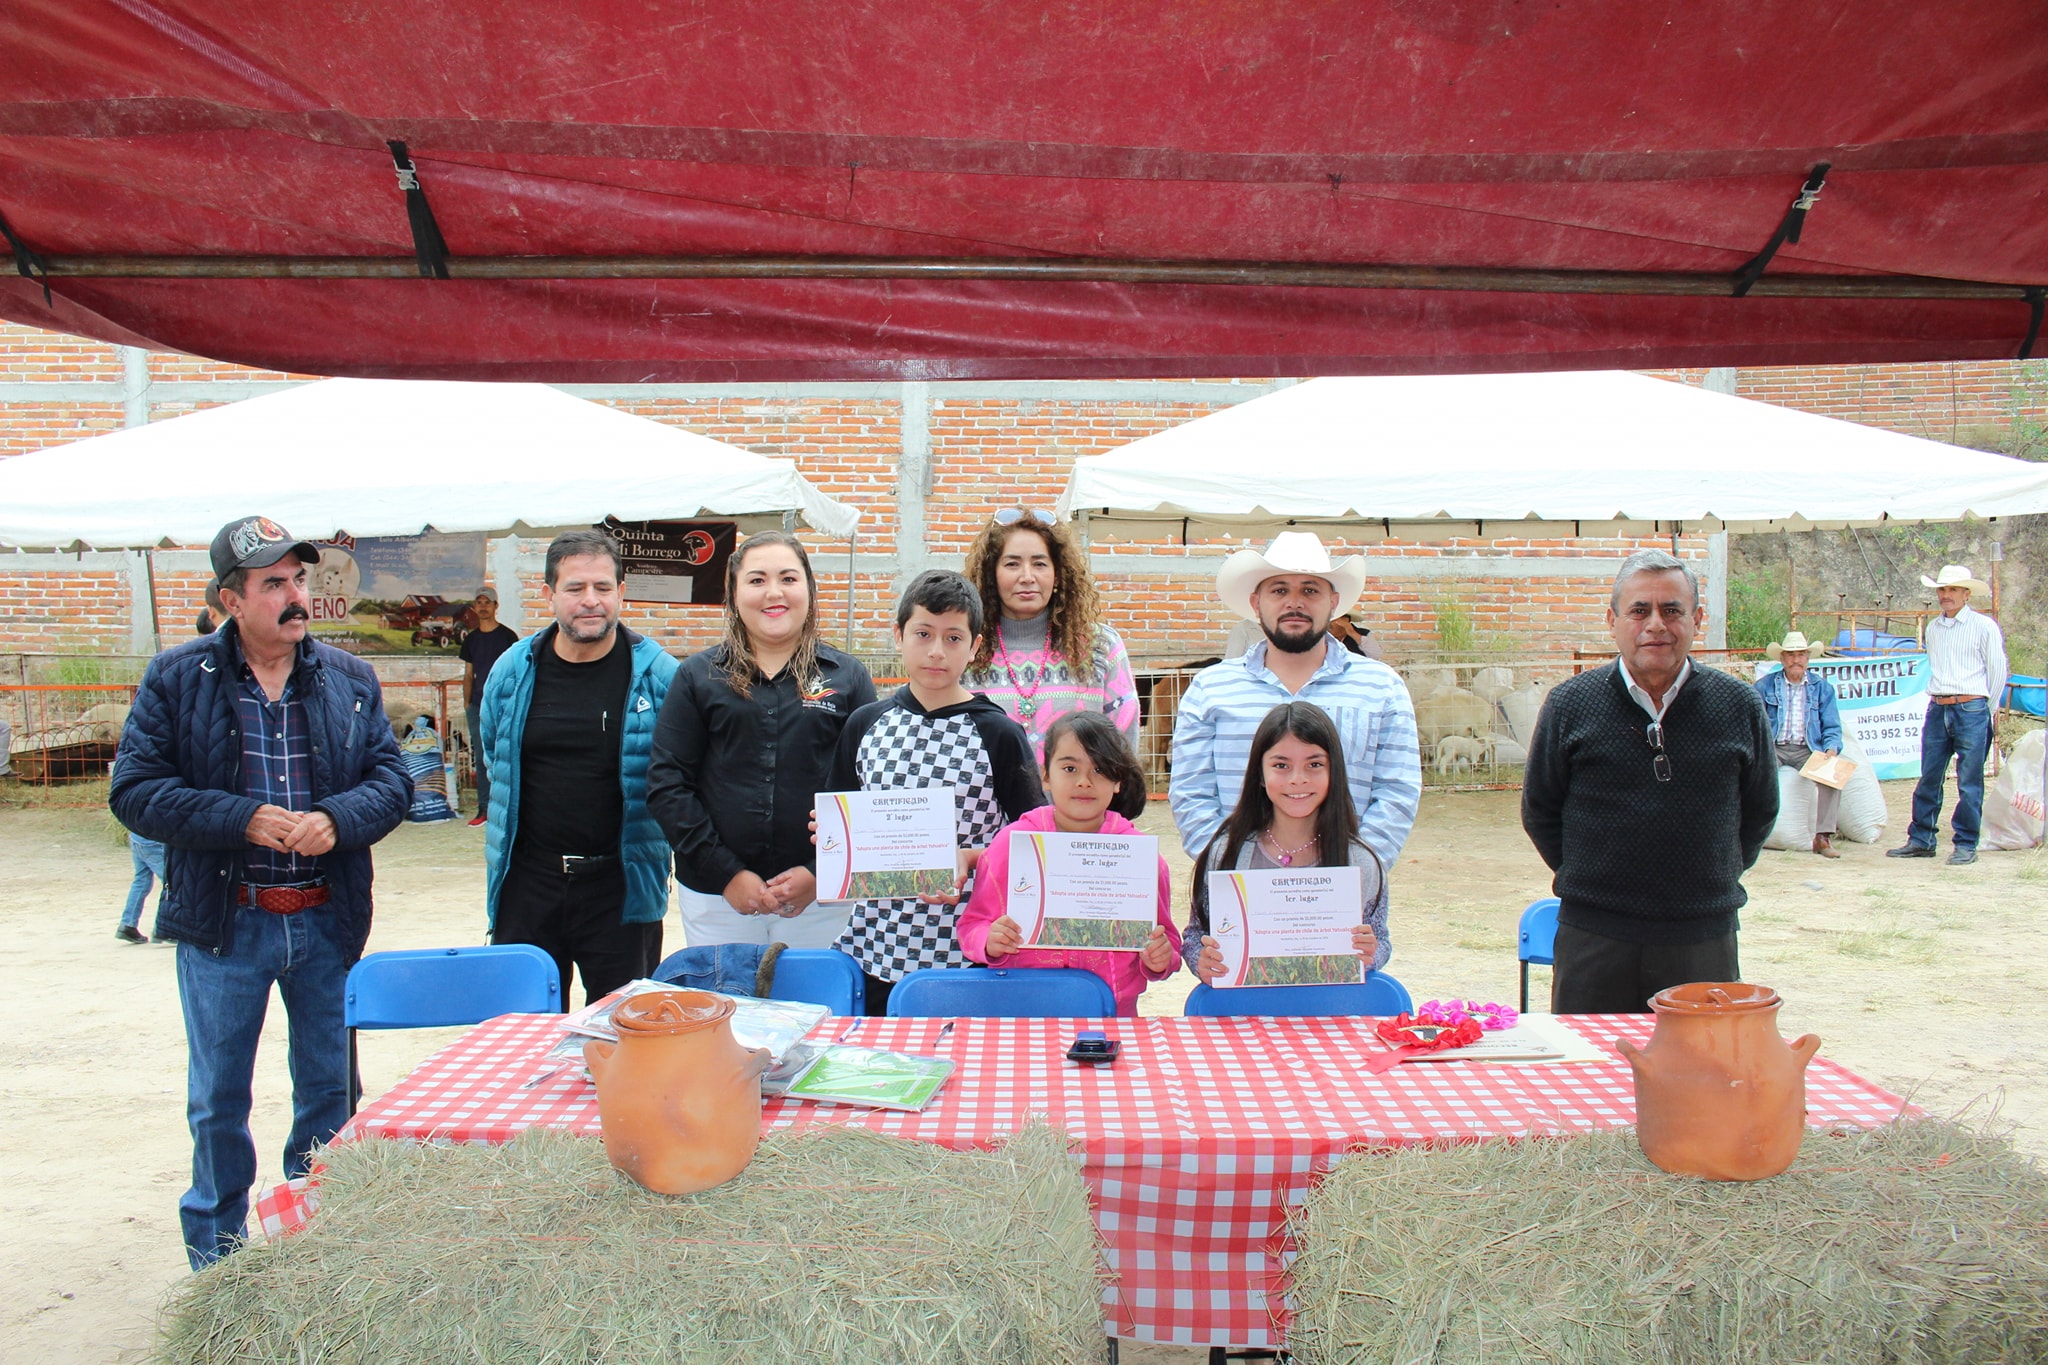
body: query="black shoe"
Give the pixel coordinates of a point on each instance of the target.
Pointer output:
(1910, 850)
(1962, 857)
(128, 933)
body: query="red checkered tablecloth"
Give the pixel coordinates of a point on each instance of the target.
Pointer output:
(1195, 1144)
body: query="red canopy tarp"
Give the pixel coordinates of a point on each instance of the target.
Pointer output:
(1491, 136)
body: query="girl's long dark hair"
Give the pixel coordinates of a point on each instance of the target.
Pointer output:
(1336, 818)
(1108, 751)
(740, 670)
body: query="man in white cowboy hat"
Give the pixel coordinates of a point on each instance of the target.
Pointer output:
(1292, 590)
(1965, 678)
(1805, 720)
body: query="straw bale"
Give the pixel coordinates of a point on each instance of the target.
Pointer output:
(836, 1244)
(1924, 1241)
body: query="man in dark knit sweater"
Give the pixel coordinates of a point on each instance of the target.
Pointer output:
(1650, 787)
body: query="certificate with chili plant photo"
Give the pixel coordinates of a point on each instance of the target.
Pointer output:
(889, 844)
(1287, 927)
(1084, 891)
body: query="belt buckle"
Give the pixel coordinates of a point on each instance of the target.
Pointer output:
(570, 862)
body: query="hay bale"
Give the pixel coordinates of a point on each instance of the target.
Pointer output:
(1919, 1242)
(837, 1245)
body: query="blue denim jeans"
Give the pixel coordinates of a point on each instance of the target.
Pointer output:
(477, 765)
(225, 999)
(148, 857)
(1962, 732)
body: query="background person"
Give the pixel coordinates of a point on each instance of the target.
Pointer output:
(1805, 720)
(574, 861)
(744, 745)
(262, 761)
(1966, 674)
(1650, 788)
(481, 648)
(1292, 589)
(147, 856)
(1045, 651)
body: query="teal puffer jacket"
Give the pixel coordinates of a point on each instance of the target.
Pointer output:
(501, 725)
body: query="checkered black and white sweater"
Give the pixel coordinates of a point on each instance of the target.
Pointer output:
(972, 747)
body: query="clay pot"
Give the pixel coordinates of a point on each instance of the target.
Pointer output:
(1718, 1093)
(679, 1098)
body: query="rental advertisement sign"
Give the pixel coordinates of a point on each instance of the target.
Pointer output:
(1883, 702)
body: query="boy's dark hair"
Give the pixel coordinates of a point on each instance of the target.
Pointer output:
(939, 591)
(569, 544)
(1108, 751)
(1336, 819)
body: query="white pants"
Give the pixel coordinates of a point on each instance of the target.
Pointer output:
(708, 920)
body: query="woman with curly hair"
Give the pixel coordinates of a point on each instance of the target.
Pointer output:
(1045, 651)
(743, 746)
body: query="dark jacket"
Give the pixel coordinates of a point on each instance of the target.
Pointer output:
(733, 779)
(1637, 859)
(179, 781)
(1823, 714)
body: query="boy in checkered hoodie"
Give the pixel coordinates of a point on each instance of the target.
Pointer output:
(932, 733)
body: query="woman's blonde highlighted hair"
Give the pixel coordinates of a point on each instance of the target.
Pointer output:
(739, 667)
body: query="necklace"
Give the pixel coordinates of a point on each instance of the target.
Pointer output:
(1027, 702)
(1285, 856)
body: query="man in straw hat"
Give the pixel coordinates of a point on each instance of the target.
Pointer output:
(1292, 590)
(1965, 678)
(1650, 788)
(1805, 720)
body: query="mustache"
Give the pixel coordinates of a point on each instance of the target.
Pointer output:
(294, 612)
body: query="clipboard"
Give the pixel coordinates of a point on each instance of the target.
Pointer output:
(1829, 771)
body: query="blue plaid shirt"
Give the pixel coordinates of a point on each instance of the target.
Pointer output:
(277, 768)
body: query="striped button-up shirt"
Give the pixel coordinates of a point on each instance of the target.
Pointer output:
(1966, 656)
(277, 768)
(1212, 742)
(1792, 714)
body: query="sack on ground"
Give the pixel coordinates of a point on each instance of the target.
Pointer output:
(1797, 801)
(1861, 817)
(2013, 799)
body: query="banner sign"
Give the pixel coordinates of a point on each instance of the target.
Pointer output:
(396, 594)
(675, 561)
(1884, 704)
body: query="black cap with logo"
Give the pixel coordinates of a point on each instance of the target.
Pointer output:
(255, 543)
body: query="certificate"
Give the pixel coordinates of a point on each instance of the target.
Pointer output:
(1288, 926)
(889, 844)
(1085, 891)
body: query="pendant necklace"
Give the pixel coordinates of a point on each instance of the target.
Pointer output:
(1027, 702)
(1285, 856)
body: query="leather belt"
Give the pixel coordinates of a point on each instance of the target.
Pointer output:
(1956, 700)
(596, 862)
(282, 900)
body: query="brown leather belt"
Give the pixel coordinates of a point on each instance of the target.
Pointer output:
(283, 900)
(1956, 701)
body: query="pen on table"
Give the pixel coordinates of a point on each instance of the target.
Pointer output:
(946, 1030)
(848, 1031)
(551, 1071)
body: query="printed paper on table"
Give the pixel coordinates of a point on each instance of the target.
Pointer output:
(1095, 892)
(1287, 926)
(890, 844)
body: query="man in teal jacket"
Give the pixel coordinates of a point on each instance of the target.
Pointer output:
(575, 864)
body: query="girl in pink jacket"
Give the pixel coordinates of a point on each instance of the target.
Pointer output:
(1096, 787)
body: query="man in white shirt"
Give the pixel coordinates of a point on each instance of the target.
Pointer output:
(1966, 677)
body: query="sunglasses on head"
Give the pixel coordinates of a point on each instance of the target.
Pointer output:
(1010, 516)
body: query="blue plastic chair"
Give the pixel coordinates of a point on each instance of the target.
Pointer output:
(1002, 993)
(1536, 940)
(1378, 995)
(820, 976)
(439, 987)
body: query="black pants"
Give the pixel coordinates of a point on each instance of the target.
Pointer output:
(1594, 974)
(574, 918)
(877, 994)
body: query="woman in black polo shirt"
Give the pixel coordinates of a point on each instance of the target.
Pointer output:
(743, 746)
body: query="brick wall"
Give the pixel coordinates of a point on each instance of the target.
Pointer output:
(984, 452)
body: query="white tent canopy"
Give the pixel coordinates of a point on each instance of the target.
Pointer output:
(390, 457)
(1579, 451)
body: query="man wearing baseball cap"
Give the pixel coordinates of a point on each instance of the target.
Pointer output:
(262, 760)
(1965, 680)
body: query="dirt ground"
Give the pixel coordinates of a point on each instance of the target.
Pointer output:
(1915, 974)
